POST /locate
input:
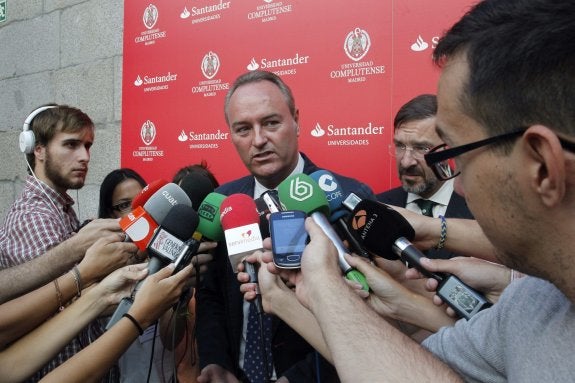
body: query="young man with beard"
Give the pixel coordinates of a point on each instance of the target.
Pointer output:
(56, 141)
(414, 136)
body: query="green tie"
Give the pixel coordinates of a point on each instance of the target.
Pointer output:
(426, 206)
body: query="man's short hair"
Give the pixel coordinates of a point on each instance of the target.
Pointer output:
(62, 118)
(521, 58)
(257, 76)
(418, 108)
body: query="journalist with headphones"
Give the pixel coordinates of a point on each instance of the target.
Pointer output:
(56, 141)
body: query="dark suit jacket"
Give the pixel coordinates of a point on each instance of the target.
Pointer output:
(220, 313)
(457, 208)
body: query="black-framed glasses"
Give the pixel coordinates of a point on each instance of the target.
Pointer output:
(123, 206)
(440, 158)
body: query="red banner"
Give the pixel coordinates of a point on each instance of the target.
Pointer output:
(350, 68)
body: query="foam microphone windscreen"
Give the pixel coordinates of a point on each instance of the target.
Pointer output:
(160, 203)
(377, 226)
(333, 192)
(209, 212)
(238, 210)
(145, 194)
(301, 192)
(181, 221)
(197, 186)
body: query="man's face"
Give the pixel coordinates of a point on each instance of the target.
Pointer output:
(490, 180)
(66, 159)
(264, 132)
(415, 176)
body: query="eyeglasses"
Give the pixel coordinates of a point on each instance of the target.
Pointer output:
(440, 158)
(417, 151)
(123, 206)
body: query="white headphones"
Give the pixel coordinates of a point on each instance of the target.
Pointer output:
(27, 139)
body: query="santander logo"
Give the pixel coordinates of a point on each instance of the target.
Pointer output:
(318, 131)
(419, 45)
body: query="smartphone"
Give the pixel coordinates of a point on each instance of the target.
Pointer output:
(289, 238)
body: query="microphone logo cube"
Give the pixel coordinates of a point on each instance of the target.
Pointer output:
(327, 183)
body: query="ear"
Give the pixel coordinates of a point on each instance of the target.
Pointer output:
(40, 152)
(545, 164)
(296, 119)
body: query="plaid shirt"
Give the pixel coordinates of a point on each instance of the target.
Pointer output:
(39, 219)
(36, 222)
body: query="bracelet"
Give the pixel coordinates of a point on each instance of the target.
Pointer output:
(77, 280)
(443, 236)
(59, 295)
(135, 322)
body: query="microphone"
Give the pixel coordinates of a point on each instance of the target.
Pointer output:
(335, 197)
(376, 226)
(210, 226)
(141, 223)
(171, 242)
(301, 192)
(381, 229)
(173, 235)
(139, 227)
(160, 203)
(240, 221)
(147, 192)
(196, 186)
(267, 203)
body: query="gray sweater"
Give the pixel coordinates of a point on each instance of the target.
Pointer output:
(528, 336)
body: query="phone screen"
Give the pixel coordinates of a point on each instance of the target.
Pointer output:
(289, 237)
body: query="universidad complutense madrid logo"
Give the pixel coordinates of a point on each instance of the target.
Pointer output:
(148, 132)
(150, 16)
(210, 65)
(357, 44)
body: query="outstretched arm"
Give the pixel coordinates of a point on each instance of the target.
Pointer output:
(158, 293)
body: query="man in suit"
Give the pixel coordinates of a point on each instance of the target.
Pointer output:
(414, 136)
(263, 119)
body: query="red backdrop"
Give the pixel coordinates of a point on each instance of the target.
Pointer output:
(350, 67)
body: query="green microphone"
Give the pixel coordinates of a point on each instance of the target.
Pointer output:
(209, 226)
(301, 192)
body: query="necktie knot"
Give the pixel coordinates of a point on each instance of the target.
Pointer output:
(426, 206)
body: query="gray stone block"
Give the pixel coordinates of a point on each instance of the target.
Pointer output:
(31, 46)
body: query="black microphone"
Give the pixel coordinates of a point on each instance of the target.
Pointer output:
(197, 186)
(171, 242)
(381, 228)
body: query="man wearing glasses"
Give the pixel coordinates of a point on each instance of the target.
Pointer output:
(421, 190)
(506, 114)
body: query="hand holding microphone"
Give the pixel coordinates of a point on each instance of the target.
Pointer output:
(301, 192)
(170, 243)
(384, 232)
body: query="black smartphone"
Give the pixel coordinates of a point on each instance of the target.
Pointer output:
(289, 237)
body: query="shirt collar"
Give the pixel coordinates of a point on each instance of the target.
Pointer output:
(40, 187)
(441, 196)
(259, 188)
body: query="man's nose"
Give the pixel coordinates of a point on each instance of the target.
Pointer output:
(408, 159)
(260, 136)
